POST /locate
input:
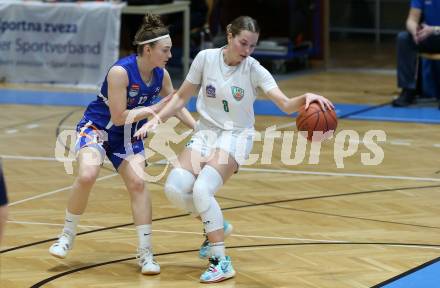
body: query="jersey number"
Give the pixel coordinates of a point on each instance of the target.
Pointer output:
(142, 100)
(225, 106)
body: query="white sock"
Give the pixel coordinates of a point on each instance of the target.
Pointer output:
(217, 249)
(144, 235)
(71, 222)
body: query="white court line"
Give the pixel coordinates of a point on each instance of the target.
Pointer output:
(233, 235)
(349, 243)
(287, 238)
(184, 232)
(68, 127)
(100, 227)
(289, 124)
(339, 174)
(11, 131)
(32, 126)
(55, 191)
(282, 171)
(415, 246)
(19, 157)
(400, 143)
(261, 170)
(61, 160)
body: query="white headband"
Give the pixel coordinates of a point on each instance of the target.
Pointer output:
(154, 39)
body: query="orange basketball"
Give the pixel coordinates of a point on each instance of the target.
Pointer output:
(314, 119)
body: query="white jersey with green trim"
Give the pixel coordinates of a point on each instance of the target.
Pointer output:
(227, 93)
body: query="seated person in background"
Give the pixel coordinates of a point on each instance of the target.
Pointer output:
(422, 35)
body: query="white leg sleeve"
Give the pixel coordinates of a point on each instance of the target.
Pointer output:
(178, 189)
(207, 183)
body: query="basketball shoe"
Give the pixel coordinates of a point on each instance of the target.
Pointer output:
(63, 245)
(204, 251)
(148, 265)
(220, 269)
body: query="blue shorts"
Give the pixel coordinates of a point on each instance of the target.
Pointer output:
(106, 142)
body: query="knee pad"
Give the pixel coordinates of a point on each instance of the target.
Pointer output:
(207, 183)
(178, 188)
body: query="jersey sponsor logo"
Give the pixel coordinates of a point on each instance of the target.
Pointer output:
(237, 92)
(131, 101)
(134, 90)
(210, 91)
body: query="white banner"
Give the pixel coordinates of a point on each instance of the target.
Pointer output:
(59, 43)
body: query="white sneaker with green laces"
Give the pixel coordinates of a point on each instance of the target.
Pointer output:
(205, 249)
(147, 263)
(63, 245)
(220, 269)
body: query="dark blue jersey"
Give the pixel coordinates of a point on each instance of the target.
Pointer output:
(139, 94)
(430, 10)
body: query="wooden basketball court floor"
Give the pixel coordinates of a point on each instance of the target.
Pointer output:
(302, 225)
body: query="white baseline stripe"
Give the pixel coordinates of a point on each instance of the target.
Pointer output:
(55, 191)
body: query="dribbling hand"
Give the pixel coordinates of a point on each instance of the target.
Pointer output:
(323, 102)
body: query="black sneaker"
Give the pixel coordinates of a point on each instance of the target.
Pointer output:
(405, 98)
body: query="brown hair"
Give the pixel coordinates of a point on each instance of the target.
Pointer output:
(151, 28)
(243, 23)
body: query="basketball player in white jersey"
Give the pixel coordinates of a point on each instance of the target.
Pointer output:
(228, 78)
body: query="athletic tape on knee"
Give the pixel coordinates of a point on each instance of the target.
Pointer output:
(207, 183)
(178, 188)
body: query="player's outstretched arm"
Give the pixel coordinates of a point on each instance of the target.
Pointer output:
(182, 114)
(290, 105)
(175, 104)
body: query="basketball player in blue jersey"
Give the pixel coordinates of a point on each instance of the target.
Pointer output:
(127, 97)
(3, 203)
